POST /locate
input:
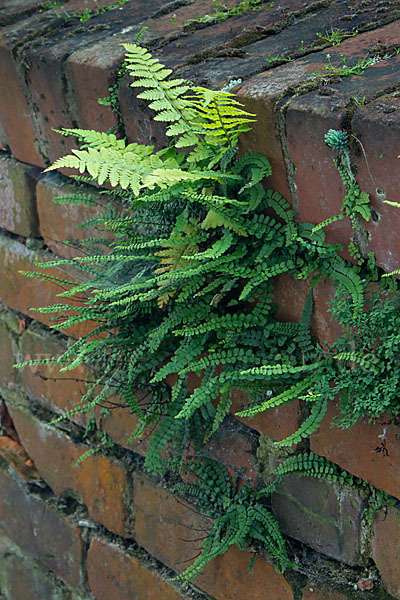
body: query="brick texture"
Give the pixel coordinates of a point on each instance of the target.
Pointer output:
(27, 580)
(164, 525)
(17, 199)
(99, 480)
(21, 294)
(120, 576)
(60, 223)
(55, 389)
(325, 516)
(15, 111)
(366, 459)
(38, 529)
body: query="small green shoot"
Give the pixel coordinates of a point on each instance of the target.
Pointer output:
(335, 36)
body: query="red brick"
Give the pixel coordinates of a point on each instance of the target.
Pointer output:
(60, 222)
(278, 423)
(228, 578)
(120, 576)
(57, 390)
(377, 126)
(363, 459)
(161, 521)
(120, 424)
(290, 296)
(91, 71)
(63, 93)
(234, 448)
(313, 592)
(38, 529)
(21, 293)
(323, 325)
(308, 119)
(17, 198)
(321, 515)
(15, 112)
(386, 548)
(100, 481)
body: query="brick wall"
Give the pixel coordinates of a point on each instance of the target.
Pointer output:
(105, 529)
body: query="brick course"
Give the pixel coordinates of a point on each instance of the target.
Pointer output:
(40, 530)
(99, 480)
(120, 576)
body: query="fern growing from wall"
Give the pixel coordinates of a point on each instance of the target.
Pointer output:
(182, 284)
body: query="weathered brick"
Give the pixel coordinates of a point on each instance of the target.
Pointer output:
(278, 423)
(163, 525)
(120, 576)
(25, 580)
(38, 529)
(17, 197)
(21, 293)
(235, 448)
(100, 481)
(120, 424)
(377, 126)
(308, 119)
(319, 190)
(323, 326)
(91, 70)
(57, 390)
(386, 548)
(60, 222)
(15, 112)
(18, 9)
(376, 458)
(322, 515)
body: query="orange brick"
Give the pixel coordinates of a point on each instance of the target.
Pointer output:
(100, 481)
(61, 222)
(57, 390)
(364, 458)
(120, 576)
(164, 525)
(21, 293)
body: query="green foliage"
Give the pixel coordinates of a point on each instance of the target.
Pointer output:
(238, 516)
(179, 283)
(223, 12)
(335, 36)
(367, 358)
